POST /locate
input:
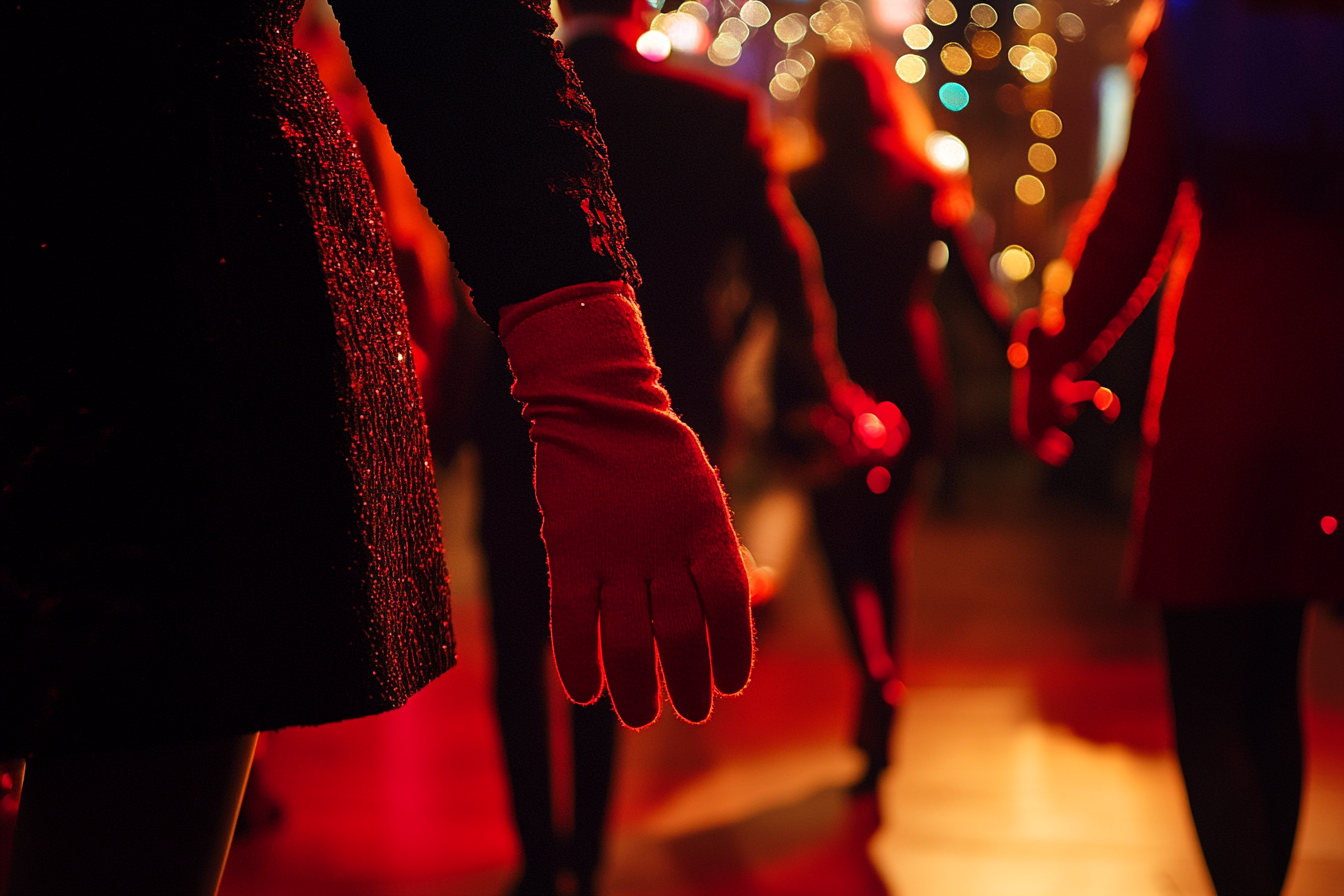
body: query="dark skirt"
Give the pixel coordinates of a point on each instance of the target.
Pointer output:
(218, 512)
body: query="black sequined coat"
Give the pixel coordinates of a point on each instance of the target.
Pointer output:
(217, 510)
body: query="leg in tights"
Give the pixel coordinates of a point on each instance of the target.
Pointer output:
(155, 819)
(1233, 675)
(856, 529)
(520, 622)
(594, 729)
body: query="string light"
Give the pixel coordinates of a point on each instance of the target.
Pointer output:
(941, 12)
(953, 96)
(918, 37)
(911, 68)
(1027, 16)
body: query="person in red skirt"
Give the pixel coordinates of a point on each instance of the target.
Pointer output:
(1240, 494)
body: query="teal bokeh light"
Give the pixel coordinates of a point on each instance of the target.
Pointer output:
(954, 96)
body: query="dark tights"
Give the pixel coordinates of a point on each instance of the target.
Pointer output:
(520, 622)
(857, 530)
(1233, 675)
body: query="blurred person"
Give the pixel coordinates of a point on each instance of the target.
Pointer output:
(880, 213)
(688, 162)
(218, 512)
(1241, 491)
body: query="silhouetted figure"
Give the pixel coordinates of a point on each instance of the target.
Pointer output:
(877, 208)
(1240, 493)
(217, 508)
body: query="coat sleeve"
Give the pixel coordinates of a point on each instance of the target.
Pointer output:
(502, 144)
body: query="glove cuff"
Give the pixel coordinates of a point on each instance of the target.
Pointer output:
(511, 316)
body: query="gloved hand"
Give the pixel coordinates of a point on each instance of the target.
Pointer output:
(863, 431)
(1046, 394)
(642, 554)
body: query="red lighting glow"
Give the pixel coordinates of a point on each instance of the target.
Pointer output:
(1017, 355)
(879, 480)
(870, 430)
(1329, 524)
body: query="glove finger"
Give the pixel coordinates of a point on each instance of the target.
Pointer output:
(574, 603)
(721, 581)
(627, 651)
(683, 649)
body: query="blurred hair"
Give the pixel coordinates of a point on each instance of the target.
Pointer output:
(861, 108)
(851, 100)
(859, 105)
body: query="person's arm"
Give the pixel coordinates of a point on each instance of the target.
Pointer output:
(1121, 246)
(502, 145)
(785, 272)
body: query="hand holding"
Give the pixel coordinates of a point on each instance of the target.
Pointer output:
(1046, 397)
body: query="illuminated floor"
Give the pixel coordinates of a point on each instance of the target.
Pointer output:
(1033, 751)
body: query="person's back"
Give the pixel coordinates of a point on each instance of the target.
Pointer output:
(874, 226)
(700, 204)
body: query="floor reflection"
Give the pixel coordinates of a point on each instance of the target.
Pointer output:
(1033, 748)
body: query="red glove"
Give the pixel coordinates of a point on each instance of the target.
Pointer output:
(638, 537)
(1046, 394)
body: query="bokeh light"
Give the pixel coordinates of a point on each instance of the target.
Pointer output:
(1016, 263)
(918, 37)
(941, 12)
(695, 9)
(1009, 99)
(735, 28)
(792, 28)
(1057, 277)
(724, 50)
(1017, 356)
(986, 44)
(653, 46)
(841, 22)
(1041, 157)
(755, 13)
(1015, 54)
(791, 67)
(686, 32)
(1027, 16)
(1044, 42)
(1029, 189)
(1071, 27)
(911, 68)
(939, 256)
(804, 58)
(955, 59)
(984, 15)
(1035, 96)
(1046, 124)
(1329, 524)
(1036, 66)
(879, 480)
(953, 96)
(946, 152)
(784, 87)
(871, 431)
